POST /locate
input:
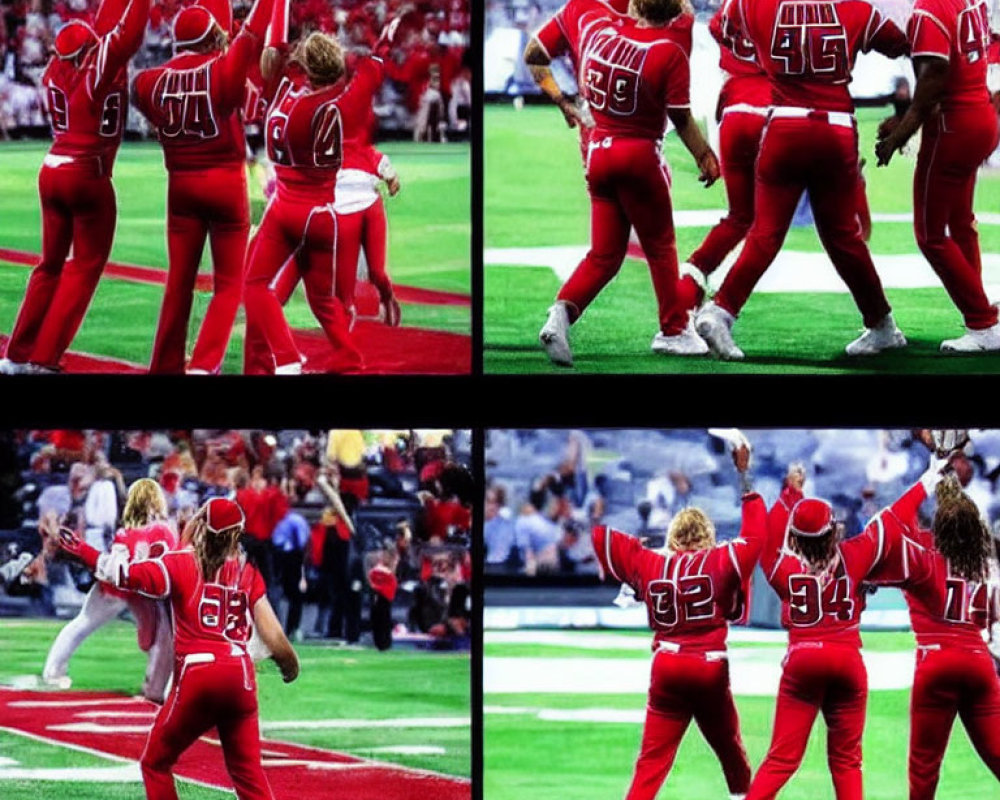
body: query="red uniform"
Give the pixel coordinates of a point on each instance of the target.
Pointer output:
(743, 104)
(87, 103)
(690, 598)
(629, 76)
(305, 130)
(808, 50)
(954, 670)
(214, 681)
(823, 670)
(193, 101)
(955, 142)
(361, 224)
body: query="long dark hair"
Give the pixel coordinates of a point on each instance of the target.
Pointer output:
(960, 534)
(213, 548)
(818, 552)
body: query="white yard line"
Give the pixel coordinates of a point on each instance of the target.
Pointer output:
(753, 672)
(792, 270)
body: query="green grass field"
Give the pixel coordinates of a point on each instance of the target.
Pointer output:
(533, 147)
(429, 244)
(530, 758)
(334, 683)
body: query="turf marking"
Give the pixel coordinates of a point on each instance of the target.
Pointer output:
(754, 672)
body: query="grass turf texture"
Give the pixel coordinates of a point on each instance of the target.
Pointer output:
(429, 245)
(334, 683)
(615, 333)
(531, 759)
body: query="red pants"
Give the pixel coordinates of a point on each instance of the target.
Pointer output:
(685, 686)
(212, 203)
(739, 142)
(827, 678)
(78, 209)
(947, 682)
(310, 234)
(821, 158)
(221, 694)
(629, 186)
(365, 230)
(952, 148)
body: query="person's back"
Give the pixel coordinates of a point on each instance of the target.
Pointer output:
(808, 48)
(959, 31)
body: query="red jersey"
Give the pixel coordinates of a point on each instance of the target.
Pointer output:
(213, 616)
(823, 606)
(306, 128)
(629, 75)
(959, 32)
(690, 596)
(194, 99)
(745, 81)
(808, 47)
(150, 541)
(88, 103)
(944, 608)
(559, 36)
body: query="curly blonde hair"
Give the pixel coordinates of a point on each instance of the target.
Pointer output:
(323, 58)
(690, 529)
(960, 534)
(146, 503)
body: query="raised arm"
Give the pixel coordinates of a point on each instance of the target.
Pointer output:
(149, 578)
(120, 43)
(234, 64)
(777, 522)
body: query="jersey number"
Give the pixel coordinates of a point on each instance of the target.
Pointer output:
(611, 88)
(808, 603)
(111, 115)
(184, 97)
(224, 611)
(327, 145)
(686, 599)
(809, 39)
(58, 109)
(974, 33)
(964, 603)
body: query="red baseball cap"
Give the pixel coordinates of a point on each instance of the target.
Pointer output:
(811, 518)
(73, 38)
(222, 10)
(222, 514)
(191, 25)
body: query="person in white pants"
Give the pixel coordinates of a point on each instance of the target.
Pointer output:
(145, 533)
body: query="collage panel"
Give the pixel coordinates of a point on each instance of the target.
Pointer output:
(810, 206)
(756, 612)
(236, 187)
(284, 612)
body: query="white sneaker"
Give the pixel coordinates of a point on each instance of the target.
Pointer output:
(714, 325)
(686, 343)
(61, 683)
(8, 367)
(974, 341)
(38, 369)
(884, 336)
(554, 336)
(295, 368)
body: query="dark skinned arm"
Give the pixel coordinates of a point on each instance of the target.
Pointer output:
(932, 76)
(538, 63)
(687, 129)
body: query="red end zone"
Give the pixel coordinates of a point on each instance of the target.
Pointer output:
(295, 772)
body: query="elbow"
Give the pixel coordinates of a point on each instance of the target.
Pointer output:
(535, 55)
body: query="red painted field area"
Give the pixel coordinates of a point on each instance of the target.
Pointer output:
(117, 726)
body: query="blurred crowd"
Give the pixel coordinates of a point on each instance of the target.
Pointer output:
(547, 488)
(359, 535)
(427, 94)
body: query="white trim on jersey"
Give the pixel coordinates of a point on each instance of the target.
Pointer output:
(607, 554)
(734, 559)
(922, 13)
